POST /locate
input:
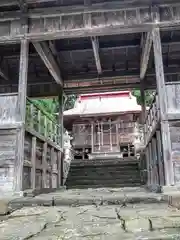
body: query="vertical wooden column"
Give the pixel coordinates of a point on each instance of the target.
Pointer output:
(117, 136)
(160, 158)
(92, 137)
(110, 132)
(161, 89)
(154, 151)
(143, 102)
(22, 93)
(44, 164)
(33, 162)
(150, 164)
(61, 132)
(61, 109)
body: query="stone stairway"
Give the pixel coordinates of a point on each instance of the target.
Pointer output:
(104, 173)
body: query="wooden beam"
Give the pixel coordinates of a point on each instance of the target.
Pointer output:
(146, 49)
(22, 89)
(68, 22)
(130, 3)
(48, 59)
(95, 45)
(161, 89)
(4, 75)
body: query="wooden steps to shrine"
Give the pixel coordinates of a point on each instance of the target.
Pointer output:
(104, 173)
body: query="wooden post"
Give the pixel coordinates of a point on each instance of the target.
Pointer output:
(117, 135)
(32, 116)
(53, 168)
(33, 162)
(39, 121)
(44, 164)
(92, 137)
(59, 181)
(150, 163)
(61, 109)
(51, 164)
(160, 158)
(161, 89)
(143, 102)
(102, 137)
(45, 126)
(110, 135)
(61, 137)
(154, 149)
(22, 93)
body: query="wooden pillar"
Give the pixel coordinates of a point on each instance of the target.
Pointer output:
(33, 162)
(44, 164)
(143, 102)
(117, 136)
(92, 137)
(22, 93)
(161, 89)
(154, 150)
(160, 158)
(61, 142)
(102, 137)
(150, 164)
(61, 109)
(110, 126)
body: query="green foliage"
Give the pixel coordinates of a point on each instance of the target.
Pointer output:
(70, 102)
(149, 96)
(51, 106)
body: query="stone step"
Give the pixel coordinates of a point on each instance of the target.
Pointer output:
(111, 172)
(111, 185)
(105, 171)
(104, 177)
(107, 168)
(102, 163)
(101, 181)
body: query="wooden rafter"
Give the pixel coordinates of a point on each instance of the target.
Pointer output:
(46, 55)
(95, 45)
(146, 49)
(3, 75)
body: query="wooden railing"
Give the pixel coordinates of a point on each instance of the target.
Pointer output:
(152, 118)
(38, 120)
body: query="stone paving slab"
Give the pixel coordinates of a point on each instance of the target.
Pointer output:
(92, 222)
(100, 214)
(108, 196)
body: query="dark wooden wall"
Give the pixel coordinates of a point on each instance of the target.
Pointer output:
(8, 140)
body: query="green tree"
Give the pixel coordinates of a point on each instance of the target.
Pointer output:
(149, 96)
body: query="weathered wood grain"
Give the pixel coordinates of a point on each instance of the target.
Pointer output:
(160, 158)
(23, 69)
(161, 89)
(33, 162)
(69, 22)
(44, 163)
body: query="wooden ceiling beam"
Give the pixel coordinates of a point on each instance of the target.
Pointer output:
(47, 57)
(70, 23)
(4, 75)
(95, 45)
(146, 49)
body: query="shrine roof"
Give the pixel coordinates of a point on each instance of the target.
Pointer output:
(109, 103)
